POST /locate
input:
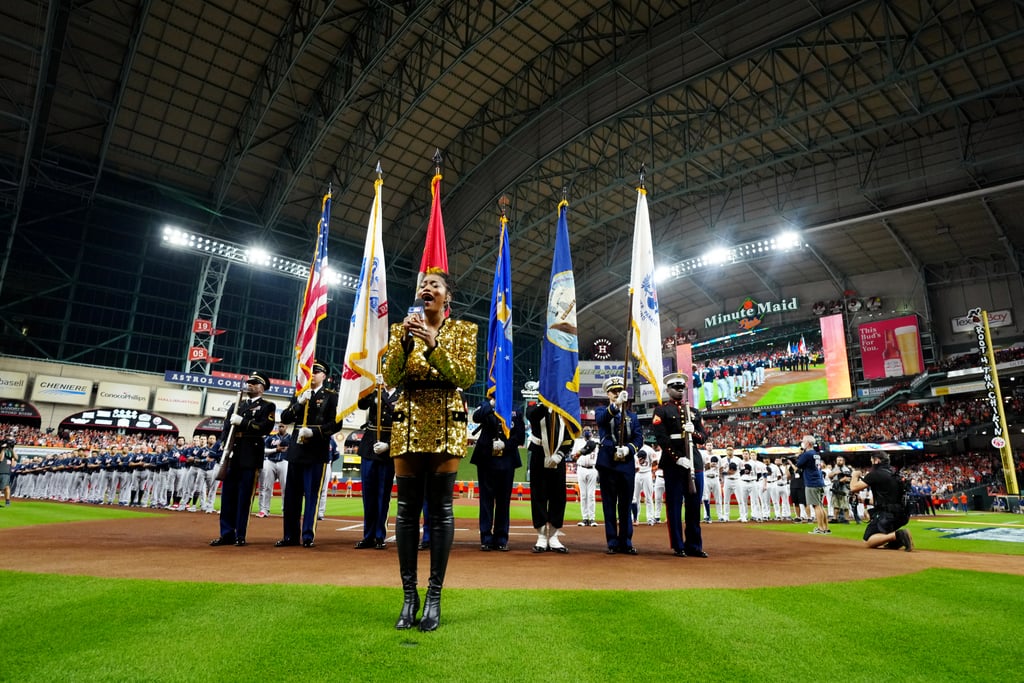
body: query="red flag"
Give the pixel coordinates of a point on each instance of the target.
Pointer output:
(314, 305)
(200, 326)
(435, 253)
(213, 359)
(197, 353)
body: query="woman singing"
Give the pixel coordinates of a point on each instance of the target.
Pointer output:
(430, 357)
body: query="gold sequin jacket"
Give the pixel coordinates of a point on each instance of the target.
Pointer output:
(430, 415)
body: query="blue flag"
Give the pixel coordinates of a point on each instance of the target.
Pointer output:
(559, 355)
(499, 336)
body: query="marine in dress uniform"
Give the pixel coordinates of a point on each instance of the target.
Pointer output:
(497, 459)
(672, 423)
(621, 439)
(376, 470)
(253, 419)
(314, 414)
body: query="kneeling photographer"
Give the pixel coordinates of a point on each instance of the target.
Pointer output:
(889, 514)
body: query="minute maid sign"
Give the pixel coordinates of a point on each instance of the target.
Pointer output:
(751, 313)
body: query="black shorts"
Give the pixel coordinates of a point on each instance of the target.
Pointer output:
(884, 523)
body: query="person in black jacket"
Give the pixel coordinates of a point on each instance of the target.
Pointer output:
(252, 419)
(496, 458)
(314, 414)
(376, 469)
(889, 516)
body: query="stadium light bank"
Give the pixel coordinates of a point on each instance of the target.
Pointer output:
(179, 238)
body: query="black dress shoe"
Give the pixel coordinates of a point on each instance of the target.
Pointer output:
(629, 551)
(284, 542)
(611, 551)
(699, 553)
(679, 553)
(485, 547)
(223, 540)
(379, 544)
(365, 543)
(240, 542)
(501, 548)
(307, 544)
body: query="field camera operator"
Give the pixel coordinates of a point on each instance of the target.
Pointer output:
(889, 515)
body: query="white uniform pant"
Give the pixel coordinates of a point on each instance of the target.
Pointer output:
(730, 488)
(322, 511)
(272, 471)
(644, 484)
(762, 488)
(779, 497)
(749, 495)
(713, 491)
(588, 491)
(659, 495)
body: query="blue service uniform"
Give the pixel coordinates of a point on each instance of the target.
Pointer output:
(617, 477)
(377, 471)
(306, 463)
(239, 483)
(667, 425)
(496, 472)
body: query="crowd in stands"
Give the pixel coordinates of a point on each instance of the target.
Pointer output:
(905, 422)
(972, 360)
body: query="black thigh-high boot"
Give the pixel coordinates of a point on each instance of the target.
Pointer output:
(407, 537)
(442, 533)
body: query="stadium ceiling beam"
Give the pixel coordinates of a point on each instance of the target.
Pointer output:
(1011, 250)
(49, 64)
(796, 116)
(380, 32)
(295, 37)
(838, 278)
(770, 284)
(391, 103)
(127, 67)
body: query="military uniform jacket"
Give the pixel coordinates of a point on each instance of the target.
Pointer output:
(608, 430)
(319, 414)
(430, 415)
(544, 426)
(667, 425)
(257, 422)
(387, 417)
(490, 429)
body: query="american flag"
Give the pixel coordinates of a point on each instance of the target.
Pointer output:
(314, 304)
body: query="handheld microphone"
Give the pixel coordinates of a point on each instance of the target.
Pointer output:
(415, 309)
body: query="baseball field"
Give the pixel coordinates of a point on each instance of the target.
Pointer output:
(99, 594)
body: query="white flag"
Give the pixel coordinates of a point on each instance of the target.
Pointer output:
(368, 326)
(646, 344)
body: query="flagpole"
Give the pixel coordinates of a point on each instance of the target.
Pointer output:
(628, 366)
(380, 385)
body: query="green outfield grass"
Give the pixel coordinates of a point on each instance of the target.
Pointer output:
(934, 625)
(797, 392)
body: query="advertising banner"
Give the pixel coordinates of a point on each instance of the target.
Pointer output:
(118, 395)
(891, 348)
(13, 384)
(965, 323)
(52, 389)
(179, 401)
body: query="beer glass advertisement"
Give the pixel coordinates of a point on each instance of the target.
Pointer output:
(891, 348)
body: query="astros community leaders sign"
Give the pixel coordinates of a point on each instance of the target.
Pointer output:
(750, 311)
